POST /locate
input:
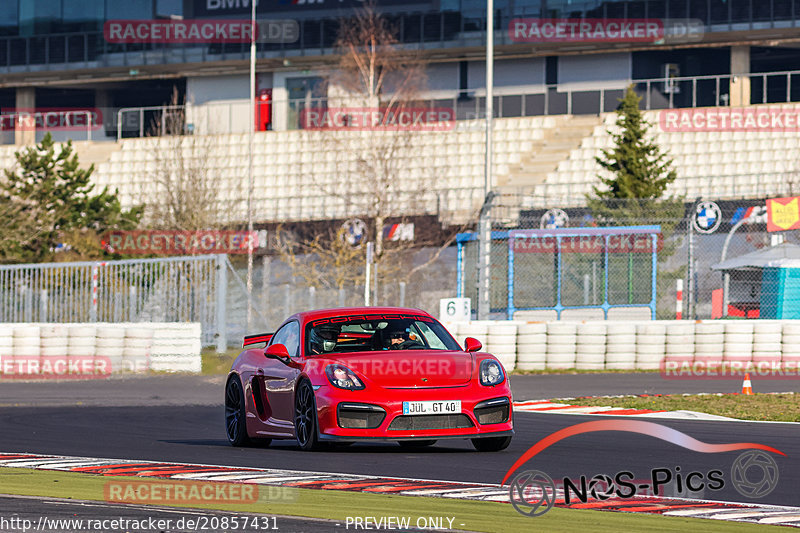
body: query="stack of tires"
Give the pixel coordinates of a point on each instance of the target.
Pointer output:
(709, 338)
(620, 346)
(790, 346)
(136, 348)
(176, 347)
(651, 342)
(6, 343)
(767, 336)
(531, 346)
(502, 343)
(680, 343)
(26, 346)
(738, 347)
(110, 346)
(561, 345)
(590, 352)
(81, 341)
(54, 339)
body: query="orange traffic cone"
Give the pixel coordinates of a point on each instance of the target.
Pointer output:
(747, 388)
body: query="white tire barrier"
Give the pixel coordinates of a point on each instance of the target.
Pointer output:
(651, 341)
(81, 340)
(125, 347)
(531, 346)
(502, 343)
(621, 346)
(562, 340)
(26, 342)
(590, 347)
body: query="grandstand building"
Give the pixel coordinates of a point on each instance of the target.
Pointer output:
(559, 69)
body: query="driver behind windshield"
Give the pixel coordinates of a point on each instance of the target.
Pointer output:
(400, 338)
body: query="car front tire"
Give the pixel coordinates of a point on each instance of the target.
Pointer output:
(305, 417)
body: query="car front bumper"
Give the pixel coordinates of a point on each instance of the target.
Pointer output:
(394, 425)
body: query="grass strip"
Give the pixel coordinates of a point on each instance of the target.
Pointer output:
(338, 505)
(775, 407)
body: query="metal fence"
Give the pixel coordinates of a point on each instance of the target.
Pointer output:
(209, 289)
(177, 289)
(656, 93)
(710, 259)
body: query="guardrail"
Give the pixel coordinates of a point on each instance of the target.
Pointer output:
(645, 345)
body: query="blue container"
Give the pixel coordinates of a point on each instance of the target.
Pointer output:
(780, 293)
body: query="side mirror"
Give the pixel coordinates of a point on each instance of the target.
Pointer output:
(472, 345)
(276, 351)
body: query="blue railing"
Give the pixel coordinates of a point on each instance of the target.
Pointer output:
(557, 239)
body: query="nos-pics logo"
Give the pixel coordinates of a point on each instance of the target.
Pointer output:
(754, 473)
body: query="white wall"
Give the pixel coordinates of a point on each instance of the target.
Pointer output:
(204, 89)
(442, 77)
(511, 76)
(594, 71)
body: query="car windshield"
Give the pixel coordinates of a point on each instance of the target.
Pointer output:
(371, 333)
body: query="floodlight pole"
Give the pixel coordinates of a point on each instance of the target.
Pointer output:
(485, 223)
(250, 175)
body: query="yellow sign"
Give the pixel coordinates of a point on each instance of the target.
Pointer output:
(783, 213)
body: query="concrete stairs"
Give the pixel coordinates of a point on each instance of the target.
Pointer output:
(548, 152)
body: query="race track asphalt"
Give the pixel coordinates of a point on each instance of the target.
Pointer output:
(180, 418)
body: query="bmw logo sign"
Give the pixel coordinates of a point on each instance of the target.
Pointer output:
(354, 231)
(707, 217)
(553, 219)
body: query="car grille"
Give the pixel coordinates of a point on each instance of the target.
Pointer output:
(360, 416)
(406, 423)
(492, 415)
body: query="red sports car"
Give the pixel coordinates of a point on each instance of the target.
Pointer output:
(366, 374)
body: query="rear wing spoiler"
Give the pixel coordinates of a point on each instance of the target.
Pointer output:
(256, 339)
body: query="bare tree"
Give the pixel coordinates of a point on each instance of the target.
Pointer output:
(190, 193)
(324, 261)
(372, 163)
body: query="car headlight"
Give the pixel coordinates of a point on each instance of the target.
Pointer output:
(491, 373)
(342, 377)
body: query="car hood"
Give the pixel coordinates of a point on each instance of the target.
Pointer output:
(411, 368)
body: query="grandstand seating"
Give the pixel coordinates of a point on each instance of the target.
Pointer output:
(299, 176)
(721, 164)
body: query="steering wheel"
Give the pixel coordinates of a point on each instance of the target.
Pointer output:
(409, 345)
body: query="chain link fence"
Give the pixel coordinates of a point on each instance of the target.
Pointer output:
(692, 260)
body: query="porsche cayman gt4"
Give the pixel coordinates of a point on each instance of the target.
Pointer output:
(366, 374)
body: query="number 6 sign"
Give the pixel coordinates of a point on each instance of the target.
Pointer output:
(455, 310)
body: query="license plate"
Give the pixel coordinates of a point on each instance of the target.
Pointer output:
(432, 408)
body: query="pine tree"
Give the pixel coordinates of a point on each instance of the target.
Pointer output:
(49, 185)
(634, 195)
(640, 173)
